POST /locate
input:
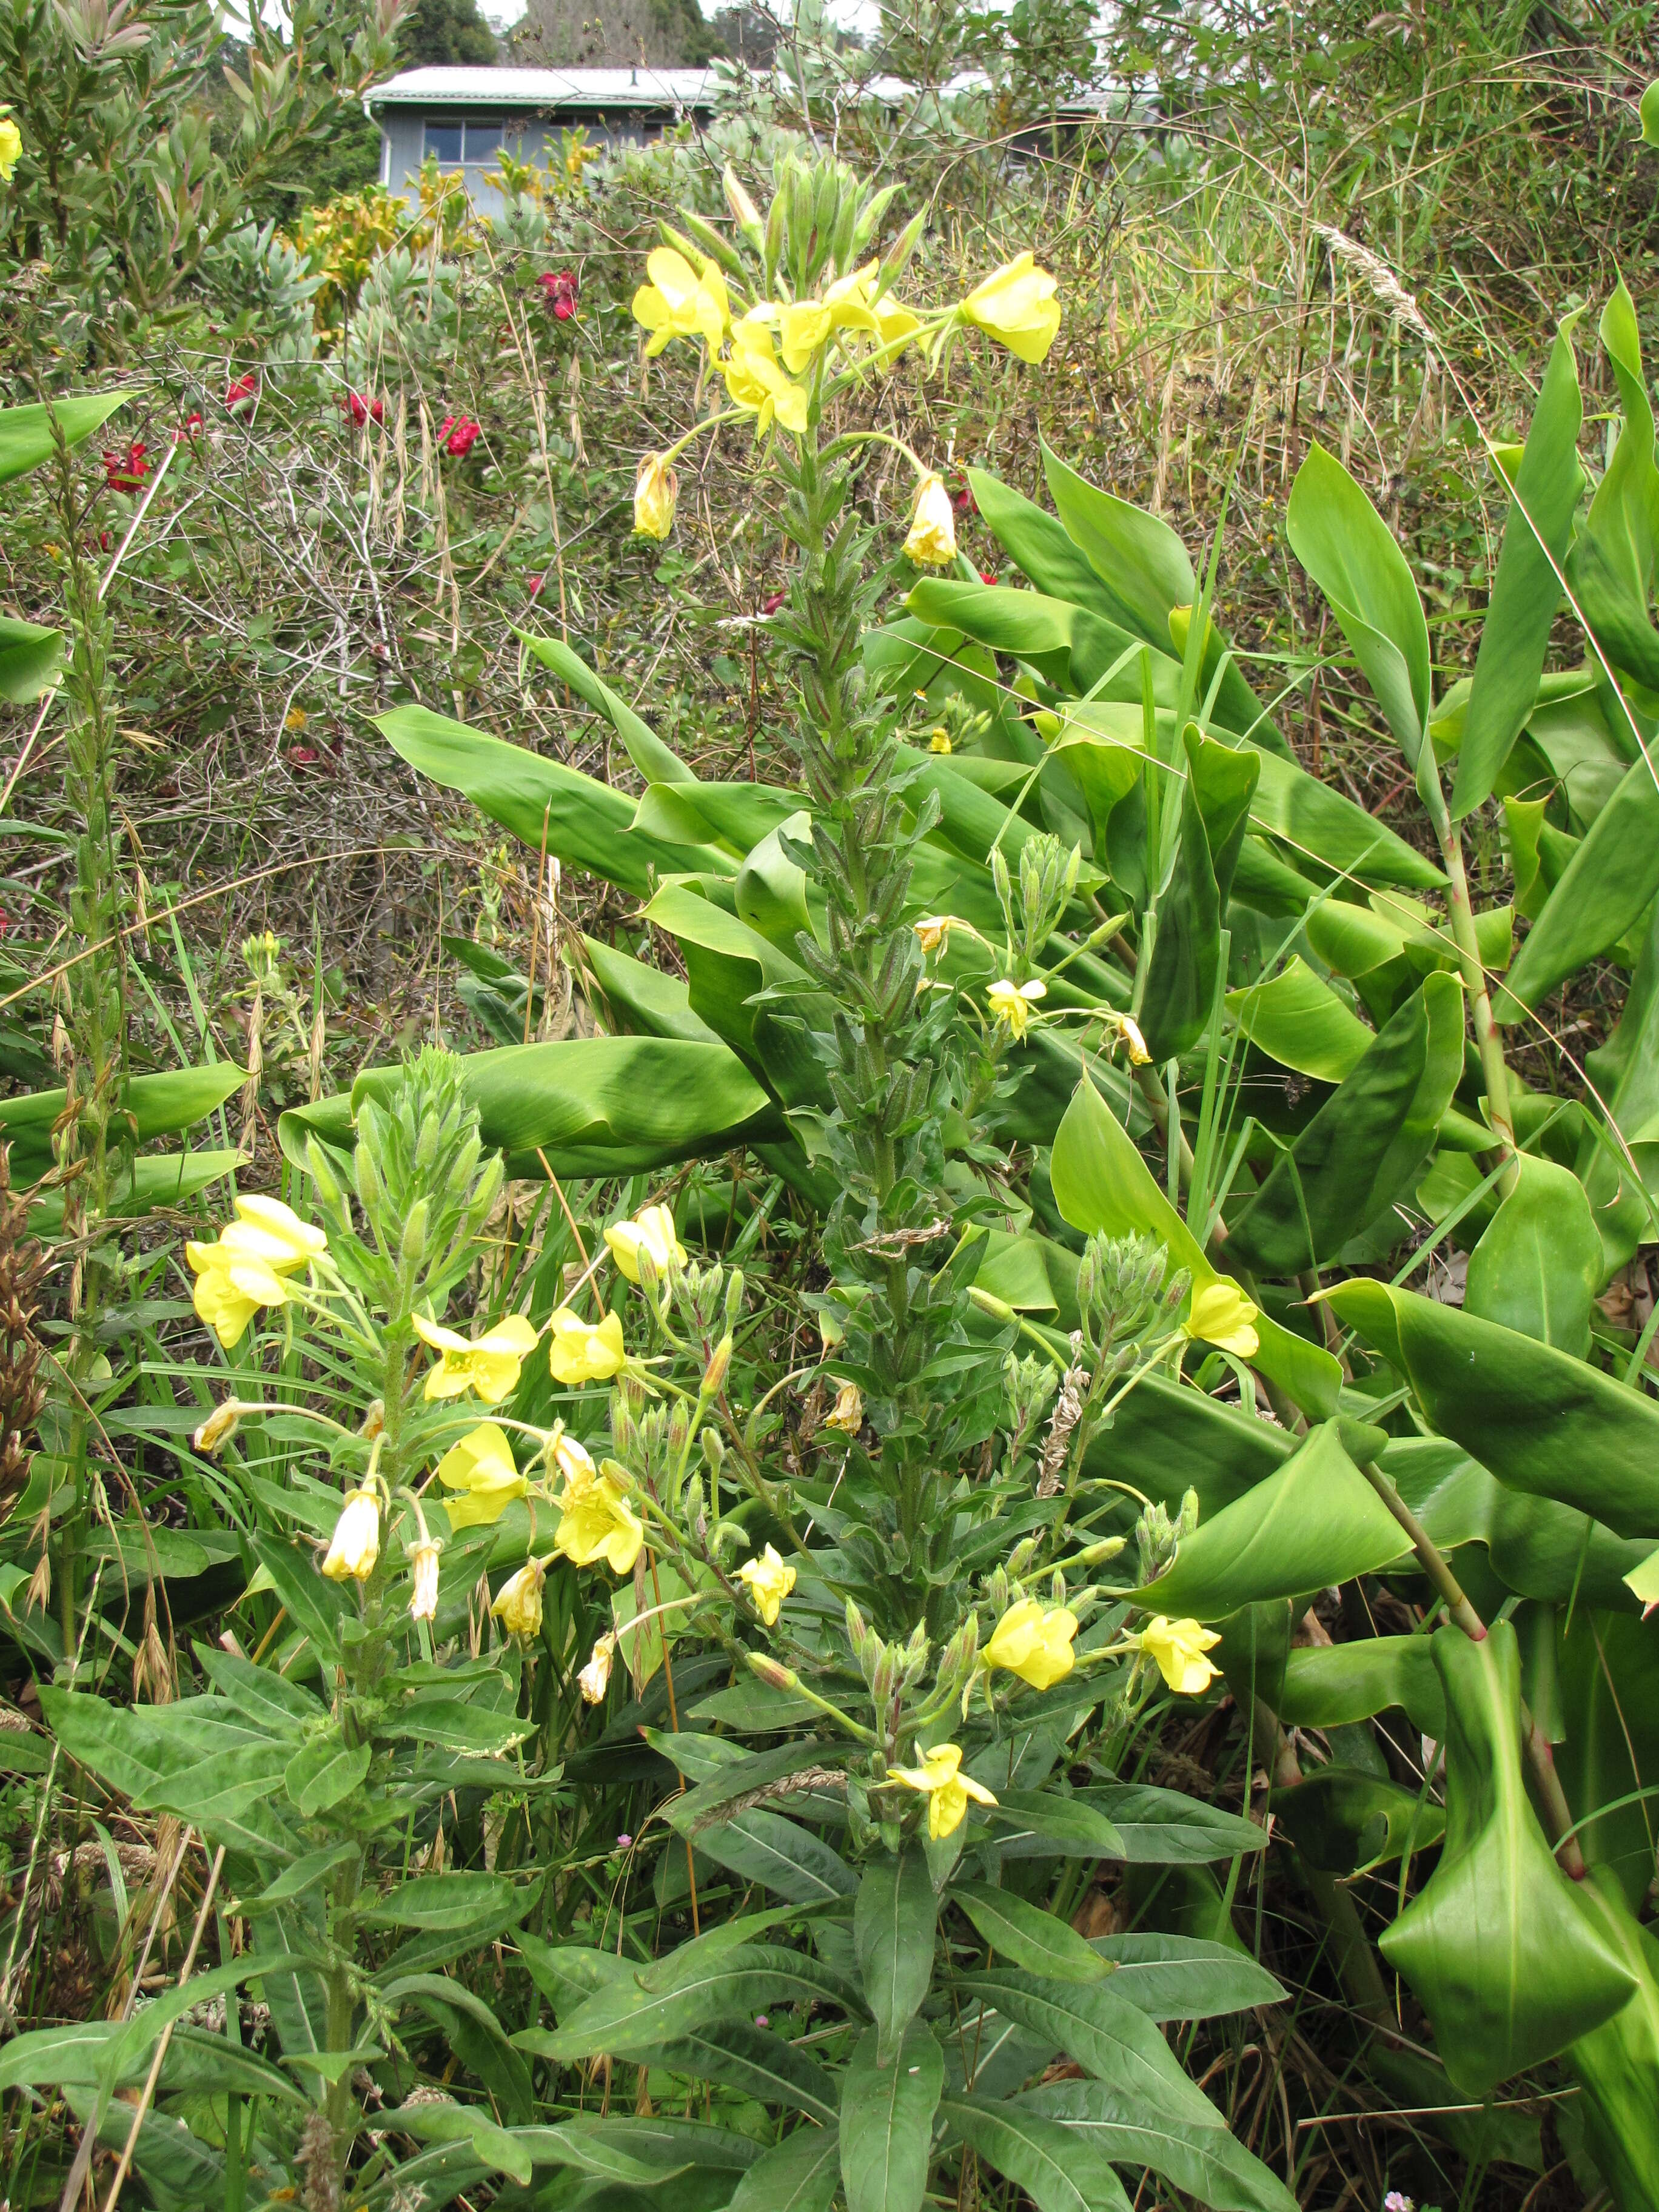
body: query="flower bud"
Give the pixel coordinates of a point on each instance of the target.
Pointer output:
(411, 1247)
(713, 1376)
(733, 1299)
(713, 1450)
(774, 1677)
(656, 491)
(1094, 1555)
(744, 213)
(321, 1170)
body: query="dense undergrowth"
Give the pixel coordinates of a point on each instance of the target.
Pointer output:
(964, 1518)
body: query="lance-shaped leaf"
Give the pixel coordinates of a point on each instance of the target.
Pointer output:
(1108, 2036)
(1166, 1827)
(1205, 2160)
(27, 434)
(160, 1106)
(1298, 1019)
(1538, 1265)
(756, 2063)
(1607, 885)
(625, 2016)
(893, 1924)
(1186, 959)
(1503, 1951)
(1365, 1146)
(1183, 1978)
(1101, 1183)
(887, 2122)
(1037, 1940)
(1611, 567)
(1540, 1420)
(1071, 647)
(1315, 1522)
(1348, 549)
(1527, 590)
(1608, 1679)
(801, 2175)
(656, 762)
(1056, 2171)
(1617, 2064)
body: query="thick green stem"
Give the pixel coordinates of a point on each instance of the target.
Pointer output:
(1494, 1066)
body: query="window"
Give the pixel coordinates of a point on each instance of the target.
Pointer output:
(483, 142)
(443, 139)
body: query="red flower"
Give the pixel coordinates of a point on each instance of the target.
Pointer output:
(986, 576)
(238, 394)
(363, 410)
(104, 541)
(126, 470)
(770, 605)
(963, 499)
(304, 756)
(533, 585)
(459, 434)
(192, 425)
(560, 293)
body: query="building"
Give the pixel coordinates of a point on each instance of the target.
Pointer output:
(465, 116)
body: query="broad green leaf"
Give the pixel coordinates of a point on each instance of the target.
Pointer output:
(747, 1980)
(1608, 1681)
(1348, 549)
(154, 1181)
(1317, 1522)
(791, 1861)
(642, 1001)
(1072, 649)
(1050, 560)
(1510, 1401)
(1108, 2036)
(1165, 1827)
(801, 2175)
(27, 434)
(887, 2122)
(656, 762)
(664, 2143)
(893, 1925)
(1056, 2171)
(174, 2164)
(756, 2063)
(1538, 1265)
(1318, 824)
(1101, 1183)
(1502, 1951)
(1607, 885)
(1345, 1819)
(1186, 957)
(442, 1901)
(30, 657)
(1364, 1148)
(1298, 1020)
(1183, 1978)
(1167, 1440)
(1624, 1072)
(1205, 2160)
(1331, 1685)
(311, 1603)
(1617, 2064)
(1527, 590)
(323, 1771)
(1611, 567)
(1031, 1937)
(443, 2121)
(584, 824)
(160, 1106)
(1036, 1824)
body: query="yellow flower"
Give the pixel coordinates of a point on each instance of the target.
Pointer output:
(1033, 1644)
(656, 489)
(650, 1231)
(939, 741)
(518, 1604)
(423, 1566)
(1221, 1315)
(220, 1426)
(1178, 1647)
(770, 1583)
(481, 1468)
(267, 1230)
(678, 303)
(804, 324)
(848, 1416)
(1012, 1003)
(488, 1364)
(754, 379)
(1128, 1030)
(574, 1461)
(230, 1290)
(932, 542)
(597, 1522)
(1016, 305)
(933, 932)
(356, 1544)
(594, 1679)
(946, 1789)
(11, 145)
(579, 1353)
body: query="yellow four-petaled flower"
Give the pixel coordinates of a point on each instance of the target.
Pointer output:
(770, 1580)
(488, 1364)
(1035, 1645)
(947, 1789)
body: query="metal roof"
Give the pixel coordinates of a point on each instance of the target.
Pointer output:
(547, 87)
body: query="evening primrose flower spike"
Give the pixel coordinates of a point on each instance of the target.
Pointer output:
(597, 1522)
(946, 1787)
(656, 491)
(481, 1470)
(356, 1544)
(488, 1364)
(651, 1230)
(580, 1351)
(1179, 1649)
(770, 1580)
(1221, 1315)
(1016, 305)
(932, 542)
(680, 303)
(1033, 1645)
(1012, 1003)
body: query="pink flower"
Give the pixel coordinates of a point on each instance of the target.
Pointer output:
(126, 470)
(560, 293)
(624, 1843)
(459, 434)
(762, 2020)
(533, 585)
(363, 410)
(304, 756)
(773, 602)
(244, 388)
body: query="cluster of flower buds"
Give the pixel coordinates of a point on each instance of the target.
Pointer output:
(890, 1670)
(1124, 1297)
(1158, 1537)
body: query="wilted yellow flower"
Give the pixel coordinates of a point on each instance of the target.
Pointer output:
(220, 1426)
(597, 1522)
(848, 1415)
(1016, 305)
(754, 379)
(518, 1604)
(656, 489)
(932, 542)
(481, 1469)
(1221, 1315)
(574, 1461)
(423, 1567)
(1178, 1647)
(356, 1544)
(594, 1679)
(933, 932)
(770, 1581)
(652, 1232)
(1012, 1003)
(939, 741)
(1128, 1030)
(488, 1364)
(578, 1352)
(947, 1789)
(678, 303)
(1033, 1645)
(11, 145)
